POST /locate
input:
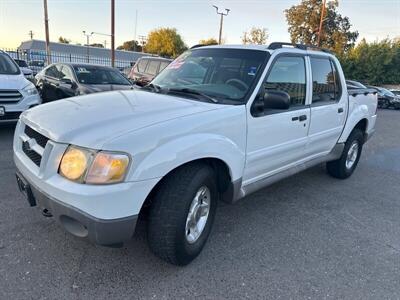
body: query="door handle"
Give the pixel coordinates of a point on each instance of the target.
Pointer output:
(302, 118)
(340, 110)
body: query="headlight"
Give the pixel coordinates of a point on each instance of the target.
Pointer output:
(30, 90)
(88, 166)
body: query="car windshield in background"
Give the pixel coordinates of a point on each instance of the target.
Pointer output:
(21, 63)
(8, 66)
(220, 73)
(99, 75)
(387, 92)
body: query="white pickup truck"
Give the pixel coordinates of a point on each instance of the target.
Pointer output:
(220, 122)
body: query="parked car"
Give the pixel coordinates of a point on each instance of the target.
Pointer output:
(36, 66)
(352, 84)
(386, 99)
(16, 92)
(146, 68)
(63, 80)
(396, 92)
(25, 68)
(220, 123)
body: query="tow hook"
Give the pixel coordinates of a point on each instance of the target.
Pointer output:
(46, 213)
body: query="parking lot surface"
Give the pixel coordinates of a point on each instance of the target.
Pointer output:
(308, 236)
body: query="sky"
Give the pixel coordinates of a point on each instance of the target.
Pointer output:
(194, 19)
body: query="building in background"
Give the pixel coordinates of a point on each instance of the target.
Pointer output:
(35, 50)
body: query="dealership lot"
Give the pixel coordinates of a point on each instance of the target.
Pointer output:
(309, 236)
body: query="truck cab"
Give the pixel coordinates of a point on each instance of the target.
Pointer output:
(218, 123)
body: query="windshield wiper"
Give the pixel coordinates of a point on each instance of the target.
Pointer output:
(193, 92)
(156, 88)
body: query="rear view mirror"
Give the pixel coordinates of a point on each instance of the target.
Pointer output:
(276, 100)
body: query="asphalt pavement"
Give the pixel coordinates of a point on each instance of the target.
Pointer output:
(309, 236)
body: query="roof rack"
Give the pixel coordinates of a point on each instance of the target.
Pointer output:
(278, 45)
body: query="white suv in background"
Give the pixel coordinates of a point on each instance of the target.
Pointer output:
(17, 94)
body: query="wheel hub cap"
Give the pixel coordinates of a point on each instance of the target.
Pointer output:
(198, 214)
(352, 155)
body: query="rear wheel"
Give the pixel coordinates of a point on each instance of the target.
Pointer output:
(344, 166)
(182, 214)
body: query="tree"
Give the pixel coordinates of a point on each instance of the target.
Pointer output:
(63, 40)
(304, 20)
(210, 41)
(98, 45)
(130, 46)
(256, 36)
(374, 63)
(165, 42)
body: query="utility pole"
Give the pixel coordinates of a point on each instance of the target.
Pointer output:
(31, 34)
(87, 43)
(222, 14)
(112, 33)
(143, 40)
(46, 27)
(134, 40)
(321, 23)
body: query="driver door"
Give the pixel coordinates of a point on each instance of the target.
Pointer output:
(277, 139)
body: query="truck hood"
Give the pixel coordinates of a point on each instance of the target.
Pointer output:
(90, 121)
(13, 82)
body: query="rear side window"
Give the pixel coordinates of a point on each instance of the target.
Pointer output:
(152, 67)
(288, 74)
(163, 65)
(141, 65)
(326, 82)
(51, 71)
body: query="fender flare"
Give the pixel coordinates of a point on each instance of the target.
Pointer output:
(167, 157)
(358, 114)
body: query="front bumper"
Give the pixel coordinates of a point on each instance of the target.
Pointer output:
(80, 224)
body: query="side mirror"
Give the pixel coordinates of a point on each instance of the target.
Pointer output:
(276, 100)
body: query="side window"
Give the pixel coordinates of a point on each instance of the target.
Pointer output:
(51, 71)
(324, 79)
(288, 74)
(141, 66)
(163, 65)
(152, 67)
(65, 73)
(338, 86)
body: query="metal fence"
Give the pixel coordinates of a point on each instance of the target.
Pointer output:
(37, 60)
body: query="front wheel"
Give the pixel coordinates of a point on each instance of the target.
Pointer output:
(182, 214)
(344, 166)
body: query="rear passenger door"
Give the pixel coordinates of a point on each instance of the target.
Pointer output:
(277, 139)
(328, 107)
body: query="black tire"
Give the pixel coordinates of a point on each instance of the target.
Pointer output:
(169, 211)
(338, 168)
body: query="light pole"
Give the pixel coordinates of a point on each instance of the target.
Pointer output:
(222, 14)
(112, 33)
(87, 42)
(46, 27)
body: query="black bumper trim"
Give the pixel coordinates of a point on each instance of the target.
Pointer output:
(82, 225)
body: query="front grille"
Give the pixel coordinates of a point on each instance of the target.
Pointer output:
(33, 155)
(10, 96)
(10, 116)
(39, 138)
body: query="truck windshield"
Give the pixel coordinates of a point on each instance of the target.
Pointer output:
(221, 73)
(99, 75)
(8, 66)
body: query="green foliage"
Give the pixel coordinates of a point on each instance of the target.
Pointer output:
(130, 46)
(165, 42)
(373, 63)
(256, 36)
(304, 20)
(63, 40)
(98, 45)
(210, 41)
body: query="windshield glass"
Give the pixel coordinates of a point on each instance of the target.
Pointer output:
(224, 74)
(21, 63)
(99, 75)
(8, 66)
(387, 92)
